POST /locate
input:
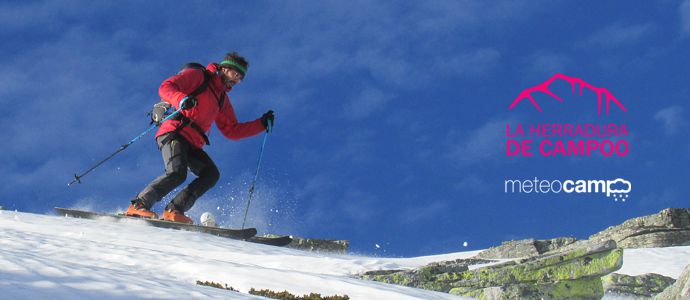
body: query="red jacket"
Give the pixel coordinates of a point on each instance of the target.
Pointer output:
(175, 88)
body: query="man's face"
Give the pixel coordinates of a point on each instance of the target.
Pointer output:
(231, 77)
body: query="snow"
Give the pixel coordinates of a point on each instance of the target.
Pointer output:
(664, 261)
(55, 257)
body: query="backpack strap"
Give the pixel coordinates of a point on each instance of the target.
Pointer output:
(200, 89)
(184, 121)
(187, 121)
(204, 84)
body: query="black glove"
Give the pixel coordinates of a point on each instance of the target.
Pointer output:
(267, 120)
(189, 103)
(158, 112)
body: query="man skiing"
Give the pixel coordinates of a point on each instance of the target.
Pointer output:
(181, 138)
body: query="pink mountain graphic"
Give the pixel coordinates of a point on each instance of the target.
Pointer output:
(544, 88)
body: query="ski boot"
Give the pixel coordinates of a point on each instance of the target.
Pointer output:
(137, 209)
(174, 215)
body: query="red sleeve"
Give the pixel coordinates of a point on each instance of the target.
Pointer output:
(228, 125)
(173, 89)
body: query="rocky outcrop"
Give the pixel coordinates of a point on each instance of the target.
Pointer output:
(669, 227)
(679, 290)
(567, 275)
(585, 288)
(337, 246)
(525, 248)
(640, 287)
(511, 249)
(544, 246)
(572, 274)
(422, 276)
(560, 268)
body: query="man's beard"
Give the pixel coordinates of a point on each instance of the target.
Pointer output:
(228, 82)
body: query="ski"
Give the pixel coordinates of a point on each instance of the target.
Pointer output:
(273, 241)
(240, 234)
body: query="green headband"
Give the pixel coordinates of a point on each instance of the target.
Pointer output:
(234, 64)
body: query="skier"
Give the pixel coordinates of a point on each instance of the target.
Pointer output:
(181, 139)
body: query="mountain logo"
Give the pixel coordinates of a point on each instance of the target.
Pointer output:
(602, 93)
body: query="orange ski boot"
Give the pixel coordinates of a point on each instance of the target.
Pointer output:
(137, 209)
(174, 215)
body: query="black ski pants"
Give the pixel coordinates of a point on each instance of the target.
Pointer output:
(178, 156)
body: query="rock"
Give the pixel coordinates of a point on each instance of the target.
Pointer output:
(642, 287)
(666, 238)
(573, 274)
(511, 249)
(525, 248)
(595, 261)
(588, 244)
(316, 245)
(544, 246)
(561, 268)
(337, 246)
(421, 277)
(458, 265)
(669, 227)
(679, 290)
(586, 288)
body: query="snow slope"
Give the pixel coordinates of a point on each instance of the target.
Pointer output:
(65, 258)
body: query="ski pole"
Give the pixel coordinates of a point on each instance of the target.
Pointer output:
(77, 178)
(256, 174)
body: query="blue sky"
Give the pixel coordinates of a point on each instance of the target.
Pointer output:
(390, 116)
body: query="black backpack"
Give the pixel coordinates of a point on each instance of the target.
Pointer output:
(204, 85)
